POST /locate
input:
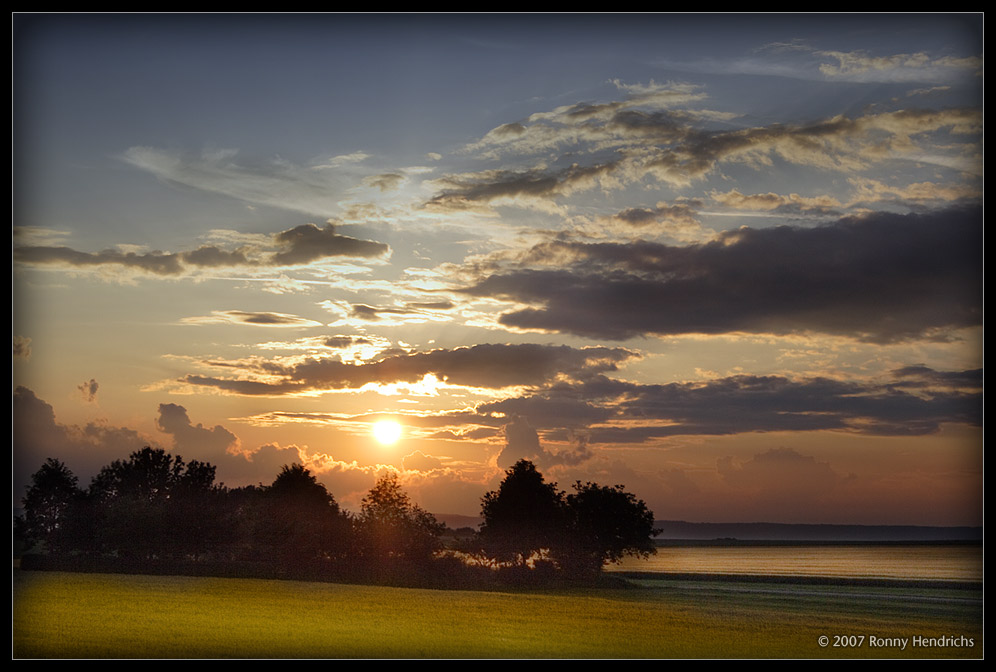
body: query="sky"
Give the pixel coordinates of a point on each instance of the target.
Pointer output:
(731, 262)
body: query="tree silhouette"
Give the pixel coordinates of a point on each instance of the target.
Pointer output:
(605, 524)
(524, 516)
(301, 520)
(392, 527)
(50, 507)
(155, 505)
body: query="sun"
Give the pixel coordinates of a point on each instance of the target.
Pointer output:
(387, 432)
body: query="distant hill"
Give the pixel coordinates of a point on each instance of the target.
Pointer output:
(679, 529)
(455, 520)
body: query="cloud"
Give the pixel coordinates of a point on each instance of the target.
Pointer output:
(678, 220)
(649, 138)
(837, 144)
(22, 347)
(211, 256)
(88, 390)
(920, 375)
(385, 181)
(781, 475)
(463, 192)
(490, 366)
(258, 319)
(878, 278)
(776, 202)
(274, 182)
(859, 66)
(915, 401)
(157, 263)
(36, 436)
(924, 193)
(298, 246)
(418, 461)
(583, 415)
(522, 442)
(413, 312)
(307, 243)
(173, 420)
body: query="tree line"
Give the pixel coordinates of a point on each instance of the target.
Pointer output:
(154, 512)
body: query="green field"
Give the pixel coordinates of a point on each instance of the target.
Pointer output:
(60, 615)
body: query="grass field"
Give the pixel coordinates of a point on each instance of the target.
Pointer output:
(60, 615)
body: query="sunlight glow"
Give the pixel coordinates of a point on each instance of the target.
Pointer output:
(387, 432)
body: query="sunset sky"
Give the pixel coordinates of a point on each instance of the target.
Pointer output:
(731, 262)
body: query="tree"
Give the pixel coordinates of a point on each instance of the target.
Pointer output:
(392, 527)
(302, 521)
(525, 516)
(605, 524)
(50, 505)
(155, 505)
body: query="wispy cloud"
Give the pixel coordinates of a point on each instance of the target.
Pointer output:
(860, 66)
(275, 182)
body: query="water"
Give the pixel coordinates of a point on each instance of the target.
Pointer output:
(936, 562)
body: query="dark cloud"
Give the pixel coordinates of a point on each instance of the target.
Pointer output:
(833, 143)
(434, 305)
(209, 255)
(490, 366)
(345, 341)
(300, 245)
(522, 442)
(556, 409)
(641, 217)
(173, 420)
(740, 404)
(262, 318)
(463, 191)
(879, 278)
(37, 435)
(88, 390)
(920, 375)
(157, 263)
(362, 311)
(513, 129)
(307, 243)
(259, 319)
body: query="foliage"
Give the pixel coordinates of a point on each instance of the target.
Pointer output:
(155, 511)
(391, 526)
(300, 519)
(605, 524)
(527, 517)
(524, 516)
(50, 506)
(155, 505)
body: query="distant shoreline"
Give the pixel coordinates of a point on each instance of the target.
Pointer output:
(679, 530)
(720, 542)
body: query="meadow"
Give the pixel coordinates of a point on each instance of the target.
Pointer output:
(69, 615)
